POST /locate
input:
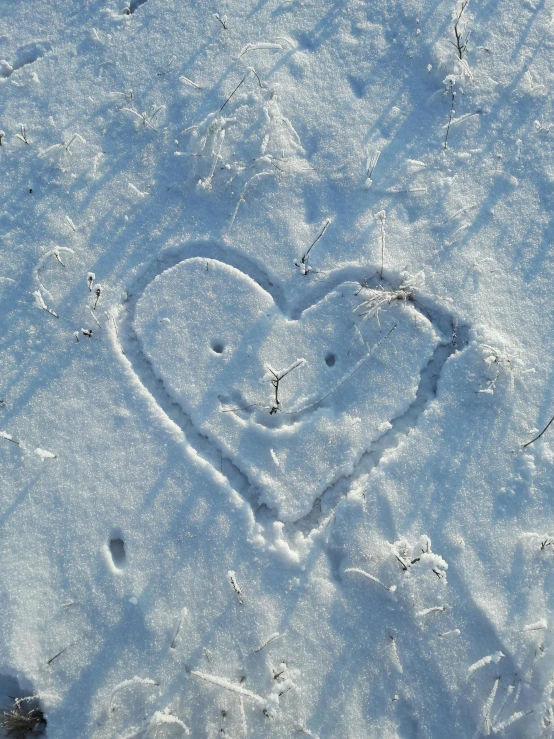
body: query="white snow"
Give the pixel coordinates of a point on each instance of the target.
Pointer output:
(196, 196)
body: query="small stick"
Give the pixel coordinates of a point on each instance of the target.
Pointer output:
(243, 193)
(234, 584)
(94, 317)
(307, 732)
(463, 118)
(271, 639)
(381, 217)
(370, 577)
(8, 437)
(459, 212)
(277, 377)
(460, 45)
(371, 164)
(231, 95)
(23, 135)
(452, 95)
(228, 685)
(223, 20)
(174, 640)
(75, 136)
(57, 255)
(260, 47)
(496, 657)
(243, 716)
(49, 662)
(190, 82)
(427, 611)
(129, 683)
(539, 436)
(395, 652)
(42, 305)
(257, 77)
(410, 189)
(304, 258)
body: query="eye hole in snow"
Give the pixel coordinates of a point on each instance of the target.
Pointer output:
(117, 550)
(330, 359)
(218, 347)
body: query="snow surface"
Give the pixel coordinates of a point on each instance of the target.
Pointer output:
(195, 195)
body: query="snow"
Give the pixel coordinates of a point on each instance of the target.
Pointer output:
(276, 380)
(201, 358)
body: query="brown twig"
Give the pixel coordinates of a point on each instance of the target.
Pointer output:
(539, 435)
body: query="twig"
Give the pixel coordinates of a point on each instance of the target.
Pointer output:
(243, 408)
(266, 643)
(243, 193)
(75, 136)
(277, 377)
(228, 685)
(23, 135)
(231, 95)
(94, 317)
(42, 305)
(381, 217)
(8, 437)
(178, 628)
(370, 165)
(461, 46)
(370, 577)
(463, 118)
(234, 584)
(223, 20)
(57, 256)
(539, 435)
(434, 609)
(409, 189)
(49, 662)
(190, 82)
(452, 95)
(128, 683)
(260, 47)
(257, 77)
(304, 259)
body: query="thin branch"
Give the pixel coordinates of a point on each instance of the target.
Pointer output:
(452, 95)
(539, 435)
(267, 642)
(370, 577)
(228, 685)
(231, 95)
(49, 662)
(8, 437)
(304, 258)
(277, 377)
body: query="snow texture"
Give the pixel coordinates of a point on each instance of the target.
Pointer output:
(277, 368)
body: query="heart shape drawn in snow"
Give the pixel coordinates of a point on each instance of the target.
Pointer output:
(217, 340)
